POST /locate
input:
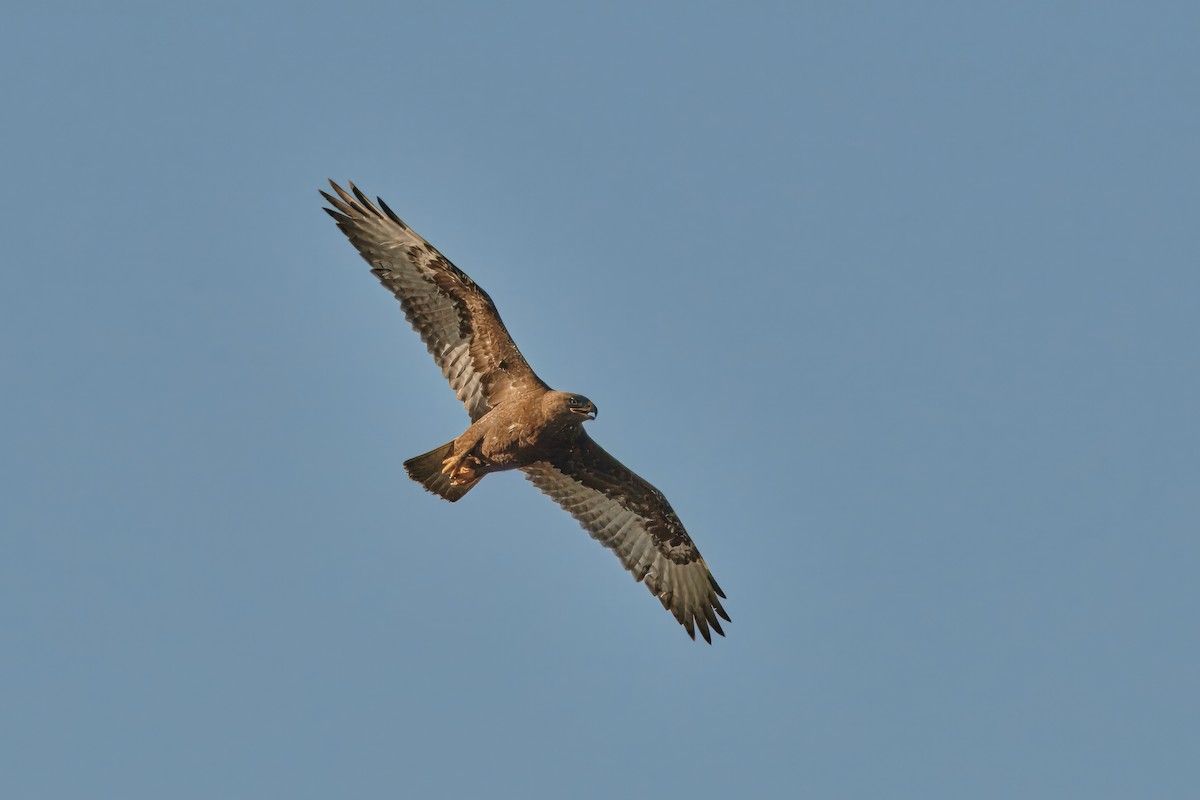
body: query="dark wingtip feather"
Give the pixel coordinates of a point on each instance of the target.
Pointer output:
(346, 200)
(362, 198)
(338, 218)
(391, 214)
(342, 210)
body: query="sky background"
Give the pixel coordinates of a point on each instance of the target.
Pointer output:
(899, 304)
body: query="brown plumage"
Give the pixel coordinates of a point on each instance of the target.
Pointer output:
(518, 422)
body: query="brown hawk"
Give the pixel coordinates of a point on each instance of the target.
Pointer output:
(518, 422)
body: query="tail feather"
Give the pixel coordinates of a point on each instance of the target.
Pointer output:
(427, 470)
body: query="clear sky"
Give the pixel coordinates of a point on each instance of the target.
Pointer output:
(899, 304)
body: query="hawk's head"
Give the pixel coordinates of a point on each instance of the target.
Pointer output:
(574, 406)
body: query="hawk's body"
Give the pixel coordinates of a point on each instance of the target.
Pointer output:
(518, 422)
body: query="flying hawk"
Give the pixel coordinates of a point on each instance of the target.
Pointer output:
(518, 422)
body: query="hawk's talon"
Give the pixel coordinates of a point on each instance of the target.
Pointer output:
(461, 469)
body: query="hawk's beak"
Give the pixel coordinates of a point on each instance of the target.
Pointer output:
(589, 411)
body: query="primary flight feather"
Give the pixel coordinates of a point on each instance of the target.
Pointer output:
(518, 422)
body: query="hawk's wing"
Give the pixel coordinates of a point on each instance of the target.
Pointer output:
(630, 517)
(456, 319)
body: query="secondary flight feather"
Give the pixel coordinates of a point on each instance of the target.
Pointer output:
(519, 422)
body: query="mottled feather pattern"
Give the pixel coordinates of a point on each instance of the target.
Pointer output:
(454, 316)
(629, 516)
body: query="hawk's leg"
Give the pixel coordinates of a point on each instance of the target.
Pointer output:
(461, 469)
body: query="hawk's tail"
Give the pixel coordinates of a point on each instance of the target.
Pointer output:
(427, 470)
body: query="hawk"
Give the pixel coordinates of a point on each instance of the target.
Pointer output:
(518, 422)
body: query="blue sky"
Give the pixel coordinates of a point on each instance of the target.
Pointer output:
(897, 303)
